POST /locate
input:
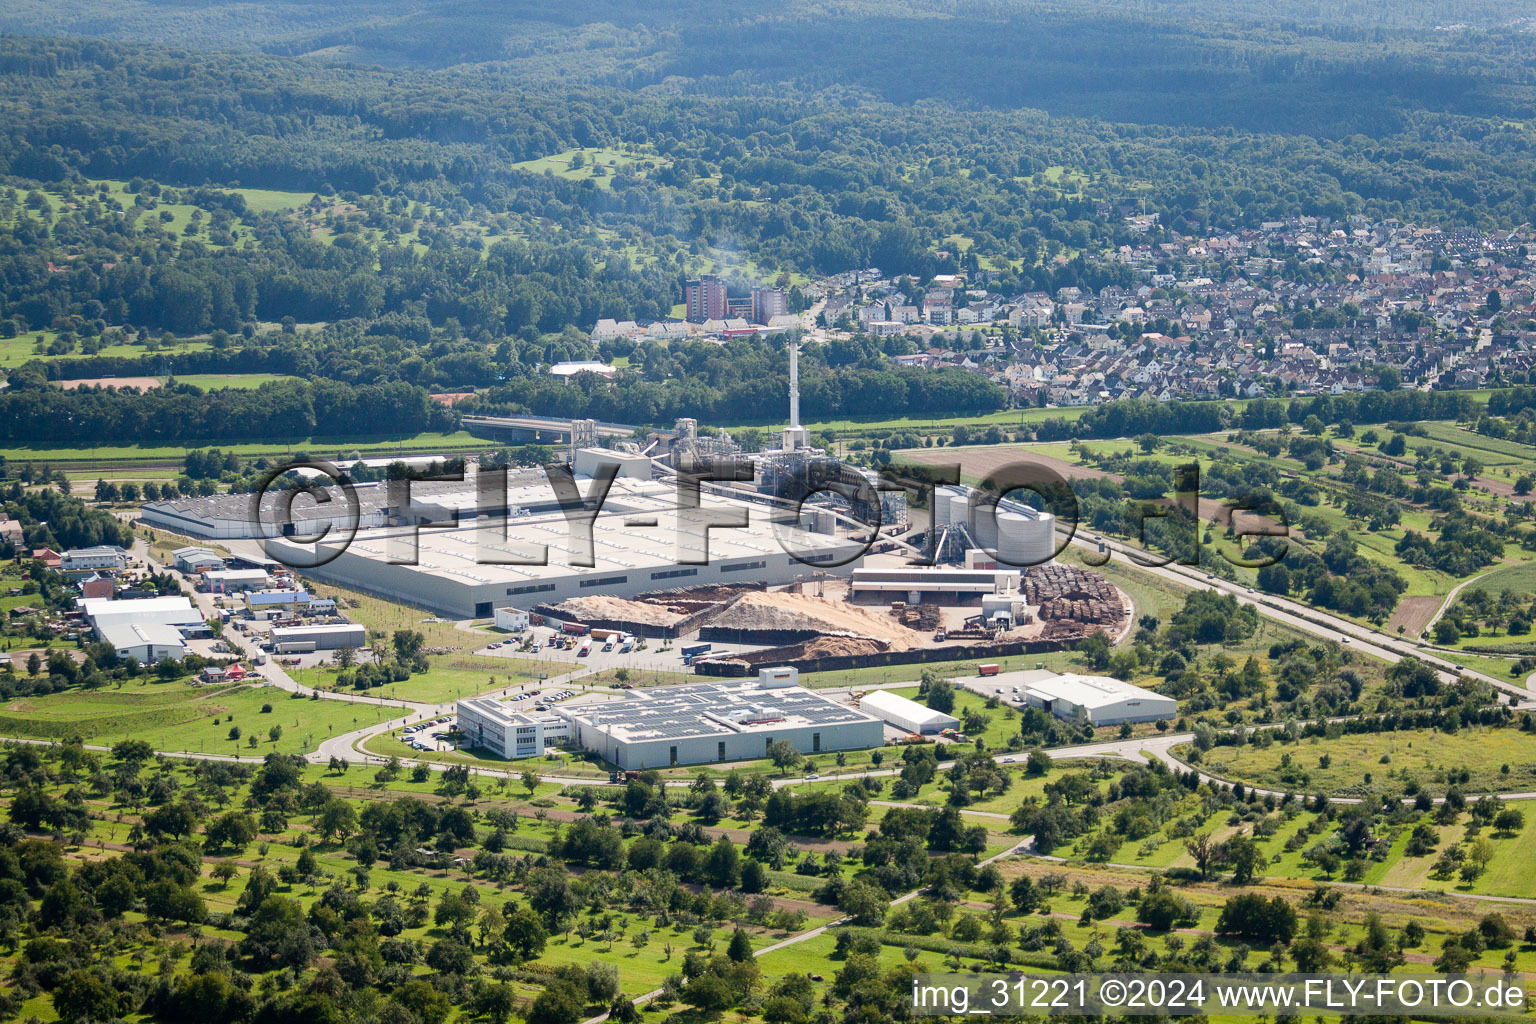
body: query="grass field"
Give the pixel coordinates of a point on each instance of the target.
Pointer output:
(1384, 762)
(266, 200)
(1492, 451)
(210, 381)
(393, 744)
(23, 349)
(1492, 665)
(1519, 578)
(175, 716)
(342, 448)
(449, 678)
(382, 618)
(597, 164)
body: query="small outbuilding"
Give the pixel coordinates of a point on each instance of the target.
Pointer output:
(513, 620)
(897, 710)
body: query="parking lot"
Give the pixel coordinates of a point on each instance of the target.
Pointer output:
(632, 652)
(436, 730)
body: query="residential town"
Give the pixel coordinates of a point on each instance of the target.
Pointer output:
(1308, 306)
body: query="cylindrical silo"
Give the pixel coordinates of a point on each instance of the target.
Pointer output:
(1042, 538)
(960, 508)
(1012, 538)
(983, 523)
(942, 507)
(1025, 539)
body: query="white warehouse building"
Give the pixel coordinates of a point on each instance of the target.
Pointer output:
(107, 557)
(1101, 700)
(721, 721)
(907, 714)
(322, 637)
(233, 581)
(146, 642)
(177, 611)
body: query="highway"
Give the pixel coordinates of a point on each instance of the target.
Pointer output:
(1309, 620)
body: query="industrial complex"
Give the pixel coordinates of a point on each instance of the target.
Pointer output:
(763, 519)
(762, 564)
(689, 724)
(739, 719)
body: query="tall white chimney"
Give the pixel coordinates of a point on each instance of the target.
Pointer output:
(794, 384)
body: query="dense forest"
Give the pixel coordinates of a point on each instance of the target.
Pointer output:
(423, 237)
(1349, 67)
(280, 409)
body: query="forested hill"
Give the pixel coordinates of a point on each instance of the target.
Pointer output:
(453, 194)
(1331, 69)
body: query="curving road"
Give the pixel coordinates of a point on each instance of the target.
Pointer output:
(1318, 623)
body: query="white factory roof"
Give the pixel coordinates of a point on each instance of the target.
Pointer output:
(99, 551)
(640, 527)
(138, 634)
(1088, 691)
(712, 709)
(570, 369)
(278, 596)
(939, 578)
(173, 610)
(321, 629)
(234, 575)
(884, 702)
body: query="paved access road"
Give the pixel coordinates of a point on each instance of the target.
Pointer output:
(247, 647)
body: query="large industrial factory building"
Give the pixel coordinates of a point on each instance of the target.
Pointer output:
(645, 538)
(642, 540)
(714, 722)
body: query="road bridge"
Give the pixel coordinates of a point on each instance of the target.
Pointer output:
(540, 429)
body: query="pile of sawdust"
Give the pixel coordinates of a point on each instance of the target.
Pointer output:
(810, 650)
(613, 609)
(800, 612)
(843, 646)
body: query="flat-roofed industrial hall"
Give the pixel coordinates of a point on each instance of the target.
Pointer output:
(725, 721)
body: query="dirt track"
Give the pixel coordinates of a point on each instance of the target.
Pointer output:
(142, 383)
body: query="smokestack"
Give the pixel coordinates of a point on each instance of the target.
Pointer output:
(794, 384)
